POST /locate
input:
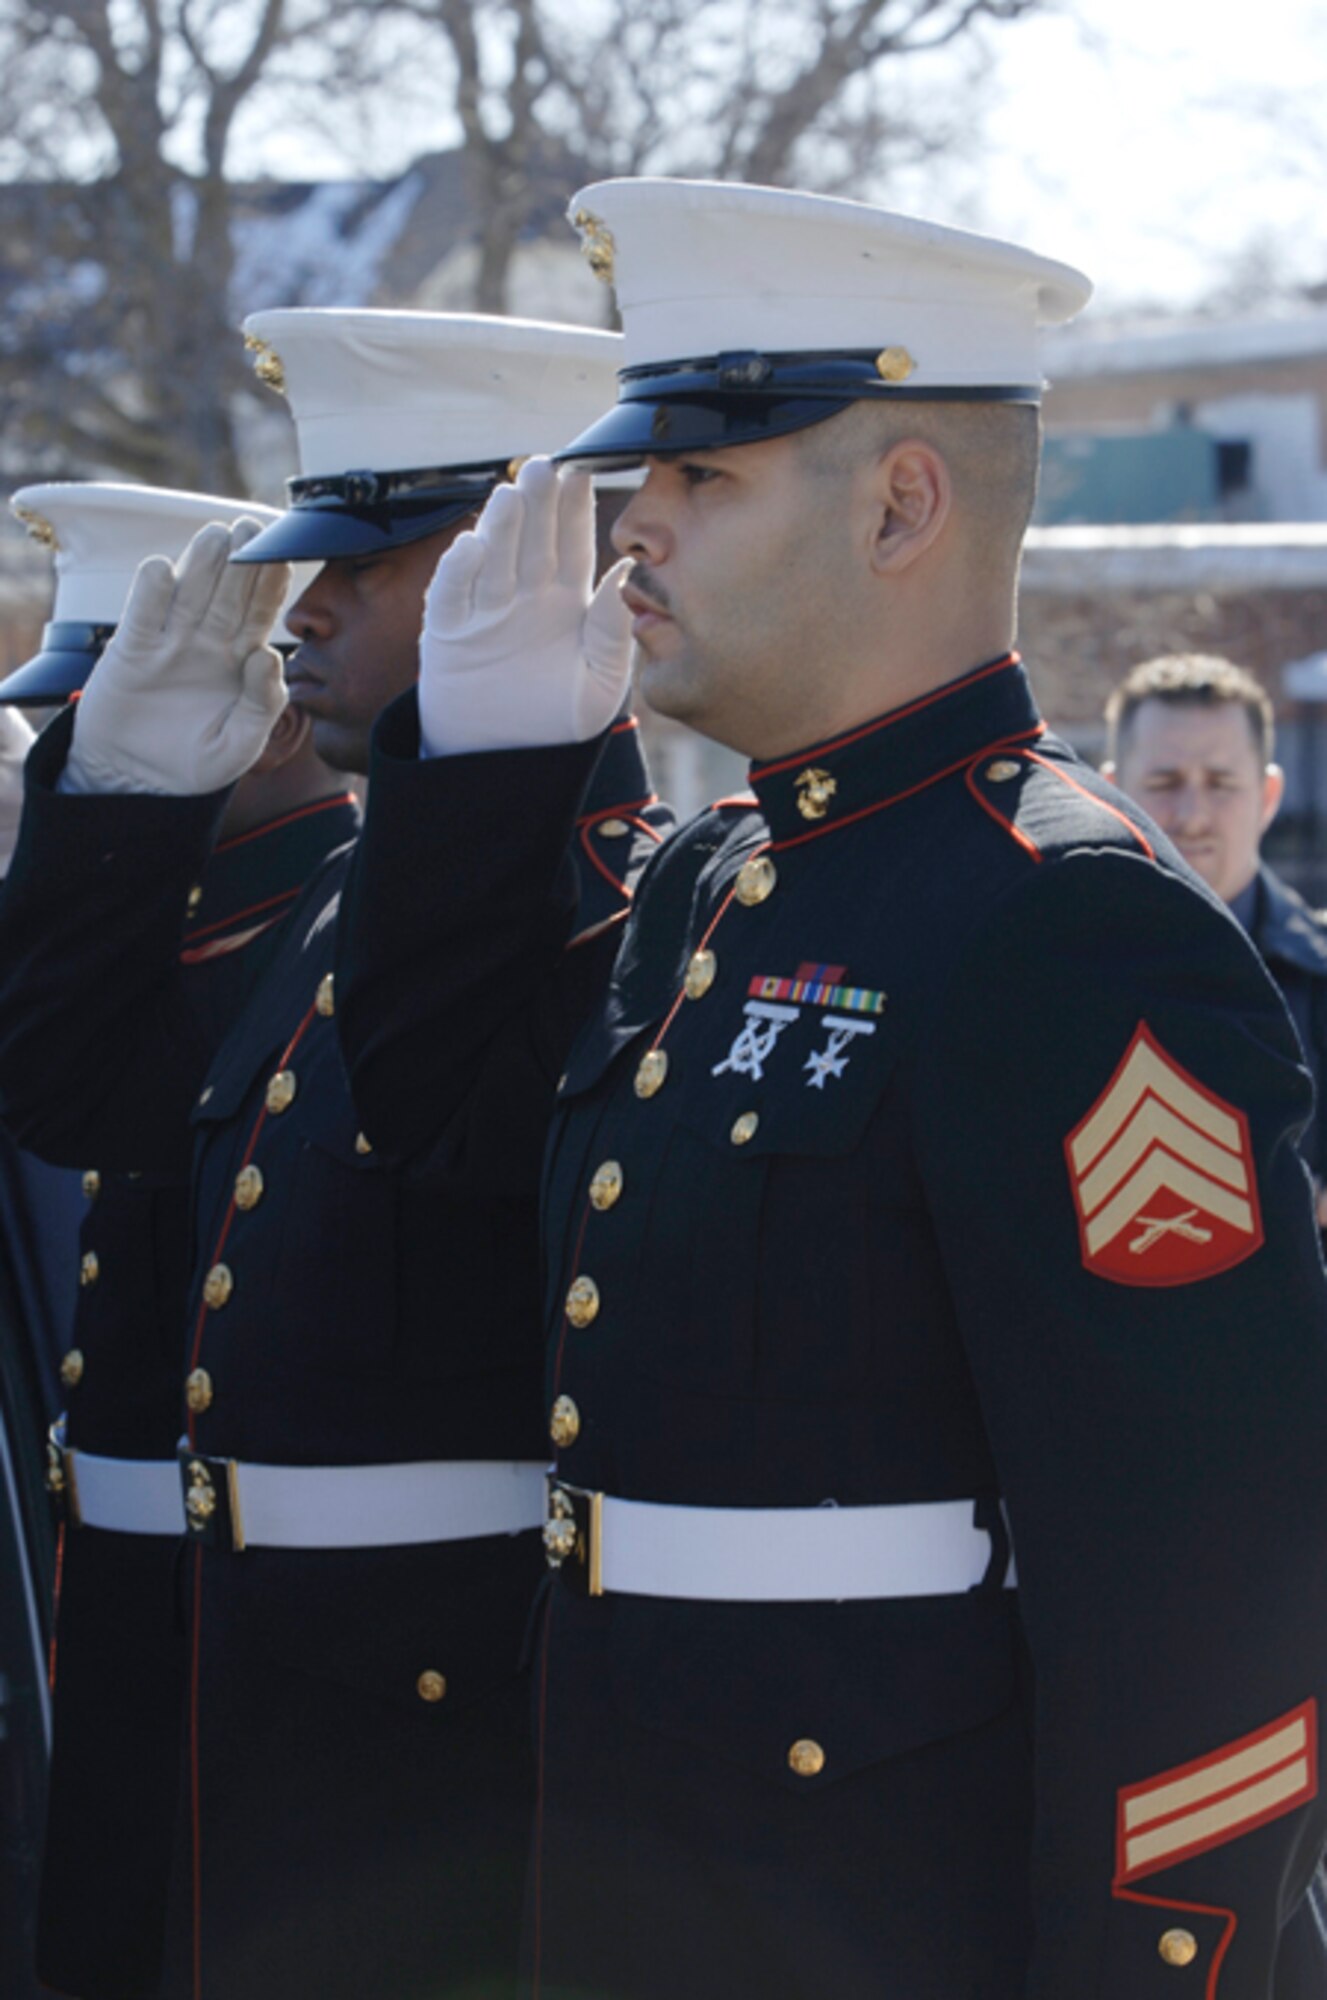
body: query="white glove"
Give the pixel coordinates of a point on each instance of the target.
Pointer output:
(15, 742)
(515, 650)
(184, 697)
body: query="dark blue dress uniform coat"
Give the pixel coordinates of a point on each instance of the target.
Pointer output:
(1293, 941)
(119, 1641)
(934, 1140)
(358, 1772)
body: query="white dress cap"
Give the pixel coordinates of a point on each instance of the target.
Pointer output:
(400, 391)
(707, 267)
(100, 532)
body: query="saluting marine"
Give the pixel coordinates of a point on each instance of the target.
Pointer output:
(921, 1193)
(119, 1648)
(362, 1481)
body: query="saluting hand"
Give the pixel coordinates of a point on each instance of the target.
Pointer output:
(184, 697)
(518, 648)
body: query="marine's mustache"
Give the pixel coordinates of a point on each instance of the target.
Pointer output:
(639, 579)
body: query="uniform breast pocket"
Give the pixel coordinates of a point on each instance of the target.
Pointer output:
(336, 1263)
(760, 1267)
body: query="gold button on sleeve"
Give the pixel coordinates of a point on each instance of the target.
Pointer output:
(583, 1302)
(806, 1758)
(195, 897)
(745, 1127)
(218, 1286)
(324, 1001)
(71, 1368)
(1002, 770)
(613, 829)
(431, 1685)
(362, 1146)
(92, 1183)
(249, 1186)
(606, 1186)
(198, 1391)
(89, 1268)
(1178, 1947)
(281, 1090)
(651, 1072)
(564, 1423)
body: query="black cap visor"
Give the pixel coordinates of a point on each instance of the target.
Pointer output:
(732, 399)
(69, 652)
(365, 513)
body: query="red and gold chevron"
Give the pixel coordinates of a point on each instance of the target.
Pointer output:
(1162, 1175)
(1217, 1798)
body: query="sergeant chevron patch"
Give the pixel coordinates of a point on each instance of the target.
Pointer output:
(1162, 1175)
(1217, 1798)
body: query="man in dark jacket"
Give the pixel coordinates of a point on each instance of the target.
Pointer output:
(119, 1645)
(362, 1474)
(1192, 738)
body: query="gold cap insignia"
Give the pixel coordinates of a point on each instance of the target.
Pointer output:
(597, 245)
(894, 364)
(267, 363)
(38, 527)
(815, 789)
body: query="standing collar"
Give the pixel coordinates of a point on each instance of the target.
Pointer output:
(830, 785)
(252, 880)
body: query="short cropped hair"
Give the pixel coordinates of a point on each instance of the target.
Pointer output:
(1191, 680)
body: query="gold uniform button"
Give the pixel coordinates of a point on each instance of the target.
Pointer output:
(806, 1758)
(651, 1073)
(564, 1423)
(700, 974)
(218, 1286)
(362, 1146)
(1178, 1947)
(89, 1268)
(195, 897)
(613, 829)
(583, 1302)
(198, 1391)
(606, 1187)
(248, 1187)
(71, 1368)
(431, 1685)
(1002, 770)
(745, 1127)
(281, 1091)
(755, 880)
(323, 1000)
(92, 1183)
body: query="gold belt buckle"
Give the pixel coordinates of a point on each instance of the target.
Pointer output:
(211, 1500)
(61, 1480)
(574, 1537)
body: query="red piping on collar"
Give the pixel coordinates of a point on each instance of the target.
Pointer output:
(624, 725)
(623, 811)
(286, 819)
(745, 799)
(1023, 737)
(239, 916)
(808, 756)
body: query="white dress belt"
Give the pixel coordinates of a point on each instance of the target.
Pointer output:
(134, 1496)
(364, 1506)
(297, 1506)
(769, 1555)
